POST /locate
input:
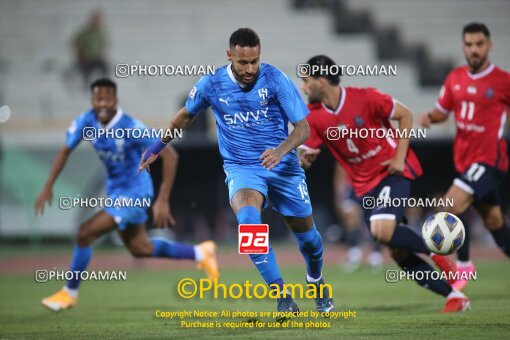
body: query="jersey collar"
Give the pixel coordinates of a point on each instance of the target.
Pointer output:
(115, 119)
(340, 105)
(232, 77)
(482, 74)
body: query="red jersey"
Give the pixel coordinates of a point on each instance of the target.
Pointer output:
(479, 102)
(359, 108)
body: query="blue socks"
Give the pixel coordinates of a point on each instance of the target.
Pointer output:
(173, 250)
(81, 259)
(162, 248)
(267, 267)
(249, 215)
(265, 263)
(406, 238)
(310, 245)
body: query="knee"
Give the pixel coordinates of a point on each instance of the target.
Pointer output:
(248, 215)
(493, 221)
(381, 233)
(398, 254)
(140, 250)
(455, 209)
(84, 237)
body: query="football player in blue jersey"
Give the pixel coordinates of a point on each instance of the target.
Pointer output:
(253, 103)
(120, 157)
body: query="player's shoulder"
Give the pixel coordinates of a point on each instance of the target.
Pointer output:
(128, 121)
(272, 73)
(87, 117)
(363, 92)
(457, 72)
(501, 72)
(218, 74)
(270, 69)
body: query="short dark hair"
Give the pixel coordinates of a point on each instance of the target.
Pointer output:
(103, 82)
(244, 37)
(476, 27)
(326, 63)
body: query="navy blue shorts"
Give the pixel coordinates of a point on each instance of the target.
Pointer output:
(390, 189)
(482, 182)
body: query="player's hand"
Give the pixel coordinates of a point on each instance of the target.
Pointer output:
(424, 120)
(162, 216)
(395, 166)
(270, 158)
(307, 156)
(45, 196)
(145, 164)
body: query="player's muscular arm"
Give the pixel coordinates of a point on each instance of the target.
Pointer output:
(46, 194)
(161, 209)
(181, 120)
(405, 122)
(272, 157)
(434, 116)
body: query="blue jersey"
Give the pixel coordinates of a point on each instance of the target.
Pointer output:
(249, 119)
(121, 156)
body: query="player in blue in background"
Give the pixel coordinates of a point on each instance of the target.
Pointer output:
(253, 103)
(120, 157)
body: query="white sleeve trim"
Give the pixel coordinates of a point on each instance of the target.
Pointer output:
(442, 109)
(391, 217)
(464, 186)
(394, 107)
(307, 148)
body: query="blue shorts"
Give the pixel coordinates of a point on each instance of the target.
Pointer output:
(285, 188)
(482, 182)
(132, 214)
(391, 187)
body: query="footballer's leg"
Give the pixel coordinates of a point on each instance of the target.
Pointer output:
(349, 213)
(310, 246)
(247, 204)
(385, 227)
(413, 265)
(494, 221)
(88, 232)
(289, 194)
(247, 190)
(477, 186)
(461, 195)
(139, 244)
(383, 219)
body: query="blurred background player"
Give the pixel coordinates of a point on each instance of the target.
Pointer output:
(252, 105)
(120, 157)
(90, 45)
(378, 167)
(479, 95)
(350, 214)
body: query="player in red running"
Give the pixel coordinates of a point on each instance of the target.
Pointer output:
(381, 169)
(478, 94)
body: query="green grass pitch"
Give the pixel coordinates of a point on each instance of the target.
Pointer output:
(127, 309)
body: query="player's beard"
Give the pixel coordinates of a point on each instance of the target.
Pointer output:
(476, 65)
(240, 79)
(104, 115)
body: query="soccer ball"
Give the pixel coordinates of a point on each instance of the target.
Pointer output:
(443, 233)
